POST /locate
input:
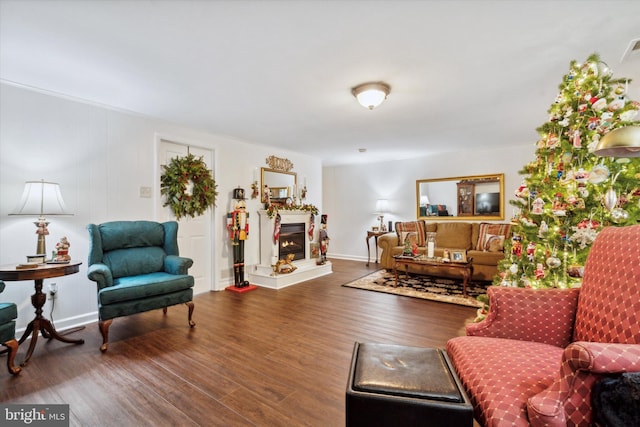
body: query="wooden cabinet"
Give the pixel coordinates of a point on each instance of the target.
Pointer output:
(466, 203)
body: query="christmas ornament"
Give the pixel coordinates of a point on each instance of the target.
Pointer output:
(558, 207)
(531, 251)
(619, 215)
(575, 271)
(616, 104)
(544, 228)
(576, 141)
(513, 268)
(598, 174)
(628, 115)
(538, 206)
(553, 262)
(598, 104)
(610, 199)
(603, 70)
(581, 176)
(516, 246)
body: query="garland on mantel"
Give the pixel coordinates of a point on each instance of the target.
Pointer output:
(272, 210)
(188, 186)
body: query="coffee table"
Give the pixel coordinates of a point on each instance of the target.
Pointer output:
(423, 263)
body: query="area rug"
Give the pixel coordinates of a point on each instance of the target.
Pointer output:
(420, 286)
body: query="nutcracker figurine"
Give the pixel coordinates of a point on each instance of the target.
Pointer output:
(323, 237)
(238, 227)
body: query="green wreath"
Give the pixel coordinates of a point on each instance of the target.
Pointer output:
(188, 186)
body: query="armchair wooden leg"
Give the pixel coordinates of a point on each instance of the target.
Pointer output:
(12, 345)
(191, 307)
(104, 330)
(164, 310)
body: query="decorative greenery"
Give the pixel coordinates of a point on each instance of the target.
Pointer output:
(272, 210)
(188, 186)
(569, 194)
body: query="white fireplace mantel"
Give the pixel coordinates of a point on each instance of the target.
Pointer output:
(263, 275)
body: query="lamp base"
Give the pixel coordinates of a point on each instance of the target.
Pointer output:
(42, 231)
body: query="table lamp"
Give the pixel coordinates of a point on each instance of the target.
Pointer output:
(382, 206)
(41, 198)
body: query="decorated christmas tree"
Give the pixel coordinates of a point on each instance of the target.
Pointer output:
(569, 194)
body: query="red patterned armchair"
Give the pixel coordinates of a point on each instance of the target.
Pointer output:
(534, 359)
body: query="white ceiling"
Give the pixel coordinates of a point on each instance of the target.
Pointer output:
(463, 73)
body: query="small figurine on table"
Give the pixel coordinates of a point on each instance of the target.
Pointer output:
(62, 250)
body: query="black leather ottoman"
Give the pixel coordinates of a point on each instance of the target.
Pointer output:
(393, 385)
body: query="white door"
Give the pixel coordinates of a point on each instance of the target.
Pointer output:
(195, 238)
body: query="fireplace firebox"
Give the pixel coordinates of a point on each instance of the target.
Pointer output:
(292, 241)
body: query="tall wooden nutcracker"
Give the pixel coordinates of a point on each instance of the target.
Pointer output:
(238, 227)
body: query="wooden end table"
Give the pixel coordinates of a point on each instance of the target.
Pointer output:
(40, 323)
(375, 235)
(422, 263)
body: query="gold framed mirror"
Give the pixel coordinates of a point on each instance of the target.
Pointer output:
(282, 185)
(476, 197)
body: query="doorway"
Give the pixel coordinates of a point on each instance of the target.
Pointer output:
(195, 235)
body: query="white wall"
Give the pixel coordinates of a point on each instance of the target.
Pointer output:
(350, 192)
(101, 158)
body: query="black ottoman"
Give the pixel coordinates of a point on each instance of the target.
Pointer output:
(393, 385)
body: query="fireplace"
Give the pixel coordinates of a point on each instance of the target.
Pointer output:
(292, 241)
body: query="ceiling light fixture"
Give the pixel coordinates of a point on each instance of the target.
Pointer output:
(370, 95)
(620, 142)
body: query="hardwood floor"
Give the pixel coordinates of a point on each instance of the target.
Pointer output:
(263, 358)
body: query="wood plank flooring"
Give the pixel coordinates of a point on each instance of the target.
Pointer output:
(263, 358)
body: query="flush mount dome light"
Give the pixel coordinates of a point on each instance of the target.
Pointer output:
(370, 95)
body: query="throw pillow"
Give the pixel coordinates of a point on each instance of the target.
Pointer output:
(494, 229)
(456, 235)
(494, 243)
(417, 227)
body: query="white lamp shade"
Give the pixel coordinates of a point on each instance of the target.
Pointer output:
(382, 206)
(41, 198)
(424, 200)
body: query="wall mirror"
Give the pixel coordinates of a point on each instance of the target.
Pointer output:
(282, 185)
(479, 197)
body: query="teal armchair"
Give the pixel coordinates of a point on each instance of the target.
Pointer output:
(137, 268)
(8, 314)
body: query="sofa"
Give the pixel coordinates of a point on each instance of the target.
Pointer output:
(483, 241)
(538, 354)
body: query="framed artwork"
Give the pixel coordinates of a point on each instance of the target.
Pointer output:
(458, 255)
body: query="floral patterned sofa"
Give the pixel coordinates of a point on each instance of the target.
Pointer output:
(535, 358)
